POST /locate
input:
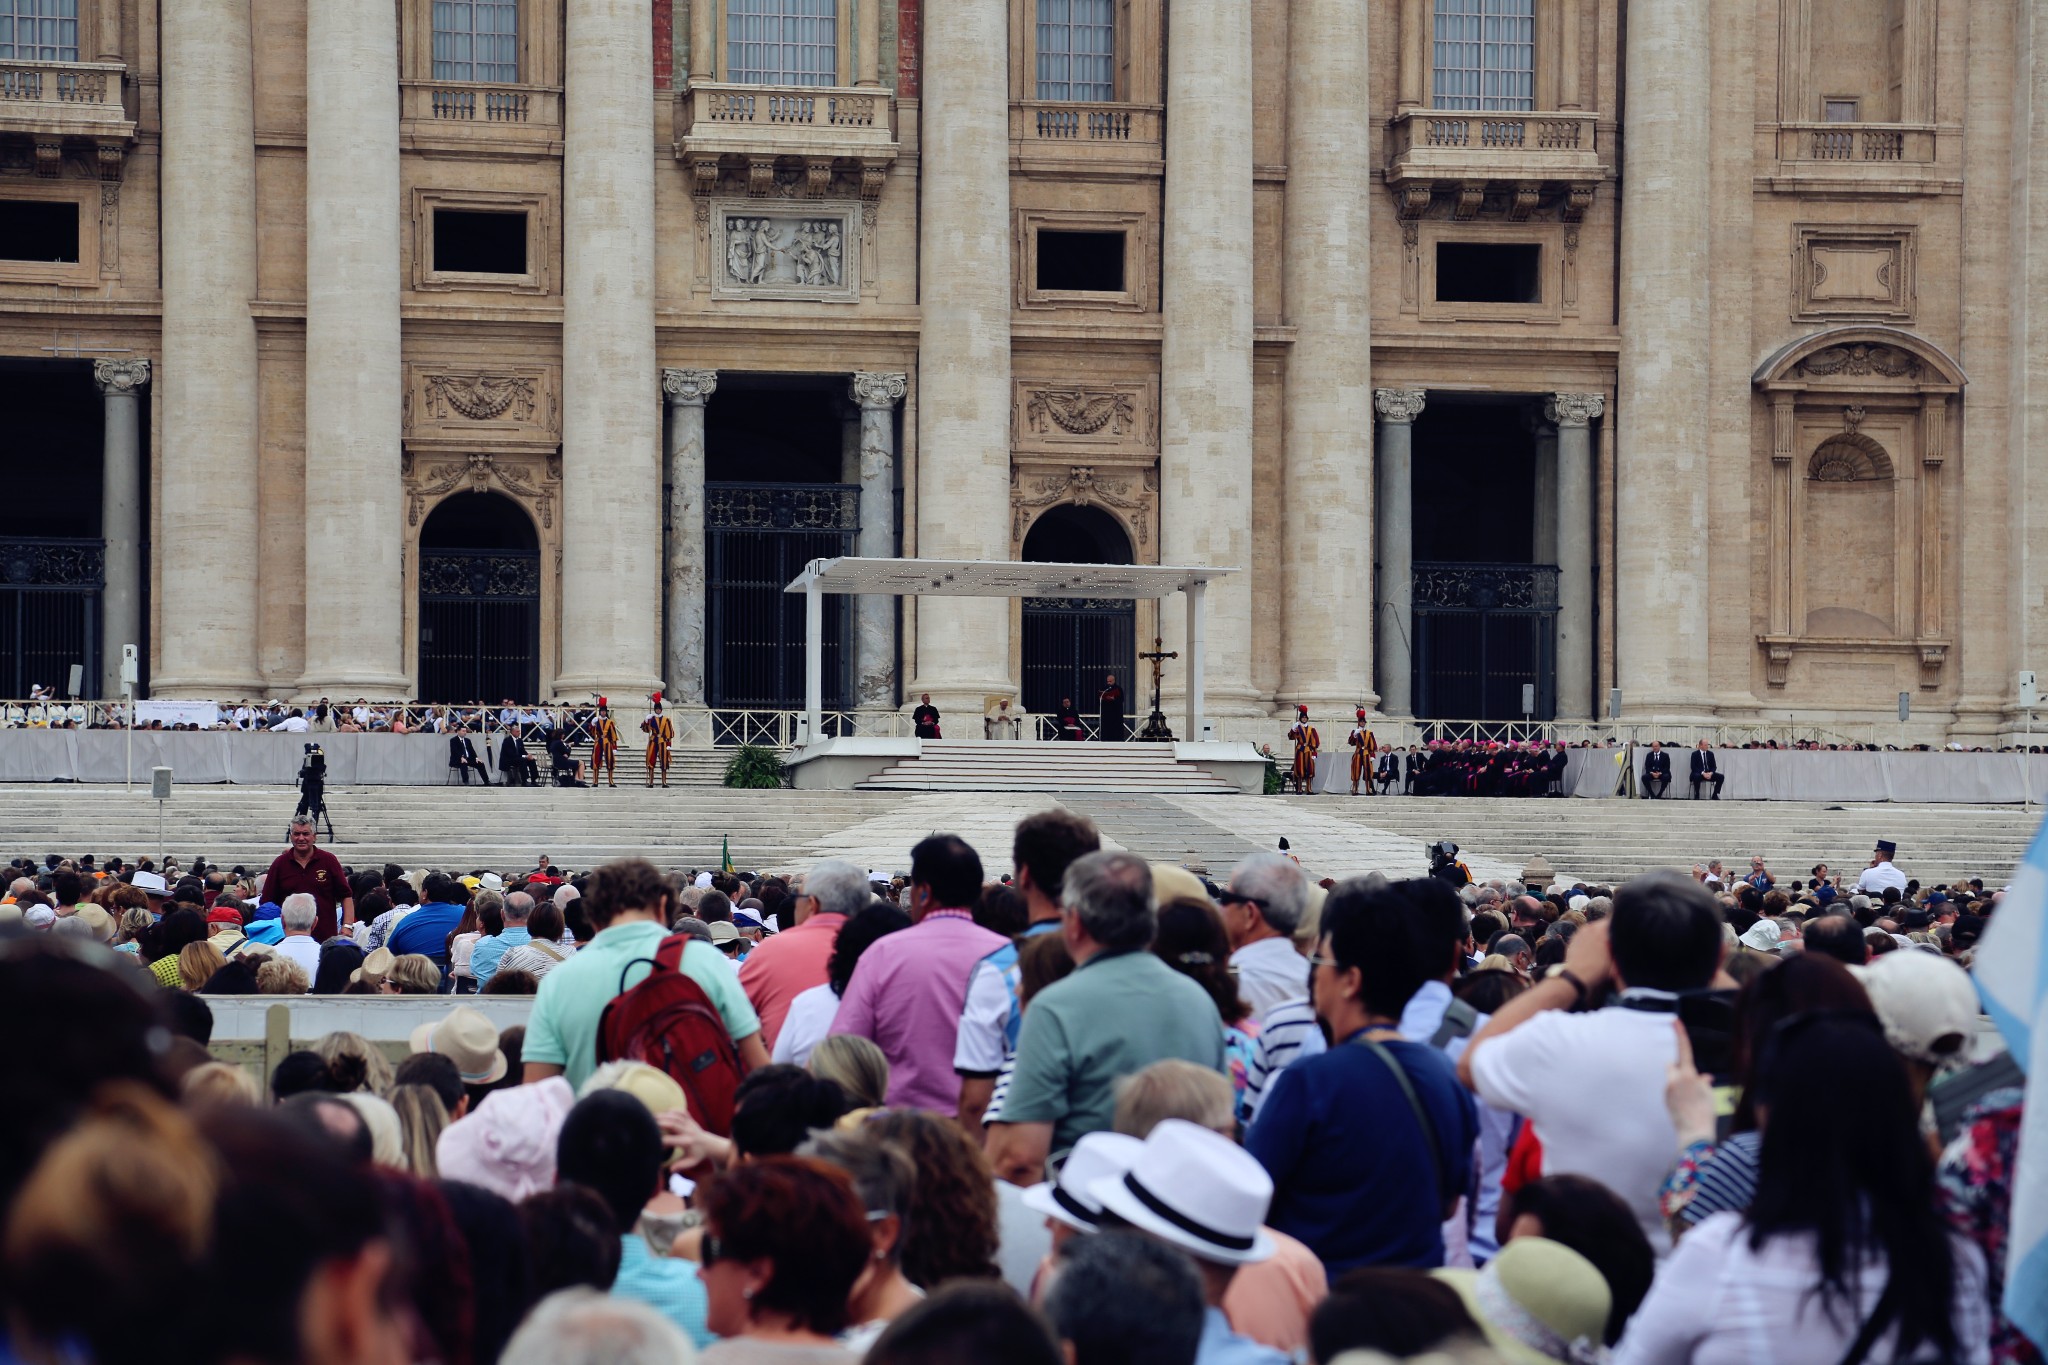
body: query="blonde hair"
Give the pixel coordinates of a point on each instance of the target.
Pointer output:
(133, 924)
(197, 962)
(377, 1073)
(421, 1117)
(1175, 1089)
(415, 974)
(217, 1085)
(281, 976)
(387, 1137)
(859, 1067)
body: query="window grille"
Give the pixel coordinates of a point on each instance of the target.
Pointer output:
(39, 30)
(782, 42)
(1485, 54)
(475, 40)
(1077, 50)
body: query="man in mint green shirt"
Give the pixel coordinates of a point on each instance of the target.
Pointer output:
(1121, 1010)
(629, 903)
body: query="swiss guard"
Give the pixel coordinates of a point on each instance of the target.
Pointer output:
(1363, 750)
(661, 734)
(604, 748)
(1307, 744)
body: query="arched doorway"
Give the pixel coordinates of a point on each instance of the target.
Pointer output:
(479, 601)
(1070, 643)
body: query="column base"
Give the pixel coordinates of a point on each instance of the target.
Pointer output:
(375, 686)
(226, 688)
(627, 691)
(1324, 701)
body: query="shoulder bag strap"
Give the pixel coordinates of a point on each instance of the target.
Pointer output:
(1458, 1022)
(1436, 1156)
(1881, 1315)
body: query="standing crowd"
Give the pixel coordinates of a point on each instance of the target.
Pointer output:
(1083, 1110)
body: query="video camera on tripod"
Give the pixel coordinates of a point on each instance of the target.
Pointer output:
(313, 787)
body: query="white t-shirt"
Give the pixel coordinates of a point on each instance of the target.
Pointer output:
(1716, 1302)
(1270, 973)
(1875, 879)
(293, 725)
(983, 1042)
(303, 949)
(805, 1026)
(1593, 1084)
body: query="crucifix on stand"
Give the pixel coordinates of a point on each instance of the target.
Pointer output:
(1155, 724)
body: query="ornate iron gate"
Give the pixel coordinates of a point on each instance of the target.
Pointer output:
(757, 538)
(479, 625)
(50, 612)
(1069, 643)
(1481, 632)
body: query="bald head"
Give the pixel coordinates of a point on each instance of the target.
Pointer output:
(518, 907)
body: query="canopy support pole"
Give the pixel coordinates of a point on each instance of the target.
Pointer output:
(1197, 648)
(814, 663)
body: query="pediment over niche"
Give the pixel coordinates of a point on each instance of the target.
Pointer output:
(1862, 358)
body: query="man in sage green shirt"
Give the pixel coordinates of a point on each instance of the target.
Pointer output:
(1121, 1010)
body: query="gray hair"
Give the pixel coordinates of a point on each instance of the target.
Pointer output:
(583, 1327)
(1278, 881)
(518, 906)
(841, 887)
(303, 822)
(299, 912)
(1111, 894)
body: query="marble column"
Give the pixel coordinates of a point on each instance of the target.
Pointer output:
(611, 420)
(874, 618)
(869, 60)
(703, 54)
(1393, 597)
(120, 383)
(1574, 414)
(1205, 353)
(1543, 506)
(687, 392)
(355, 583)
(1326, 641)
(963, 361)
(207, 384)
(1661, 558)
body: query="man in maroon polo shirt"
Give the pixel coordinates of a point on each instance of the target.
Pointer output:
(315, 871)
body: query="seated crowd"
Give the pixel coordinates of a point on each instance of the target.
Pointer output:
(1084, 1111)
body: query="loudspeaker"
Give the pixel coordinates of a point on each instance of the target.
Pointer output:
(160, 783)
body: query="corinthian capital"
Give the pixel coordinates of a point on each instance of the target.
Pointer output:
(874, 390)
(1398, 405)
(120, 376)
(689, 388)
(1574, 409)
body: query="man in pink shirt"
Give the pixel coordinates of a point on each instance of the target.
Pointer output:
(907, 992)
(783, 967)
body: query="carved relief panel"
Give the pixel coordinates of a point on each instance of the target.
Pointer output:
(1118, 419)
(811, 251)
(1131, 495)
(458, 406)
(1844, 272)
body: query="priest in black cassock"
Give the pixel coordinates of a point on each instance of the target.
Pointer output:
(926, 718)
(1112, 729)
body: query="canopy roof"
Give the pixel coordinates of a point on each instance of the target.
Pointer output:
(986, 578)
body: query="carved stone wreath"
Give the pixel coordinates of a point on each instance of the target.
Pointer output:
(478, 470)
(1080, 412)
(1861, 360)
(1033, 493)
(480, 398)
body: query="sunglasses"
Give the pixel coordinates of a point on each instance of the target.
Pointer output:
(1228, 897)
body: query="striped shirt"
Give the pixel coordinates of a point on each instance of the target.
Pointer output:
(1287, 1034)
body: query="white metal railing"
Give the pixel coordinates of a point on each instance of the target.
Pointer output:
(1785, 734)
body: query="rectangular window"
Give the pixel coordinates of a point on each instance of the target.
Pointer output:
(1083, 262)
(782, 42)
(472, 243)
(1077, 50)
(39, 30)
(1475, 272)
(1838, 110)
(1485, 54)
(39, 230)
(475, 40)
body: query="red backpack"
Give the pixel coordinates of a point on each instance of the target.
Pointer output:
(669, 1022)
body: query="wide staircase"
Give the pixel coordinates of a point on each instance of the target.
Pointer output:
(1001, 766)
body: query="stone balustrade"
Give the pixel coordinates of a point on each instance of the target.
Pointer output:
(1878, 142)
(803, 121)
(460, 102)
(1493, 144)
(1049, 132)
(64, 98)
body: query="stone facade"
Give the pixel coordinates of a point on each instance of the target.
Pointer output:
(1781, 347)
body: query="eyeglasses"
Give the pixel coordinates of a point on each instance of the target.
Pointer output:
(1228, 897)
(710, 1250)
(1329, 962)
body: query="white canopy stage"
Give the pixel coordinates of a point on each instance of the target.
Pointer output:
(994, 578)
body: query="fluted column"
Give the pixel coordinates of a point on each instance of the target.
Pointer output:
(1205, 355)
(1326, 642)
(1661, 495)
(354, 388)
(611, 422)
(120, 383)
(874, 618)
(208, 603)
(1393, 595)
(963, 408)
(1574, 414)
(682, 576)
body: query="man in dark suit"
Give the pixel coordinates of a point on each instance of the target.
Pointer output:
(1704, 770)
(1553, 771)
(1657, 772)
(462, 756)
(1413, 769)
(519, 768)
(1387, 771)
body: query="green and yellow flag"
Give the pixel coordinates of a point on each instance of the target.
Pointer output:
(725, 855)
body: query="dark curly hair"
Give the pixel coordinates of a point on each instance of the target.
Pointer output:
(952, 1234)
(802, 1215)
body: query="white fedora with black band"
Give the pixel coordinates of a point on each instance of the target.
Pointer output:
(1098, 1156)
(1197, 1190)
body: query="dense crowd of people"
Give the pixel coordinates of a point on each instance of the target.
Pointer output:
(1081, 1110)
